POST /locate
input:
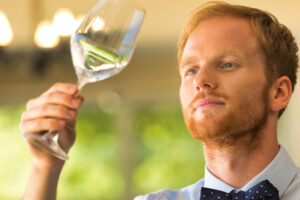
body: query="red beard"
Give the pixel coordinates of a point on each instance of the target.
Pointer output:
(241, 124)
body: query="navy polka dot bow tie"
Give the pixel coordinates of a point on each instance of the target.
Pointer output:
(262, 191)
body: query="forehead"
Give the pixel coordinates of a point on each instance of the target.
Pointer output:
(227, 33)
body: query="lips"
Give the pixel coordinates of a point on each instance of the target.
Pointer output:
(207, 103)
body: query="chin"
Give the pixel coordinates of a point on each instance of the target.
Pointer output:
(203, 127)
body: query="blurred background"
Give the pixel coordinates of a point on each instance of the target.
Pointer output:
(131, 136)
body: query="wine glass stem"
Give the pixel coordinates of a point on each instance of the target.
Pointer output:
(80, 85)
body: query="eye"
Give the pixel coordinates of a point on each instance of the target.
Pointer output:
(191, 71)
(228, 65)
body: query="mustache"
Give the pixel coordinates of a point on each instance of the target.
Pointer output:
(204, 95)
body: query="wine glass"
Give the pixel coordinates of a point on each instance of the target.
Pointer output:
(101, 47)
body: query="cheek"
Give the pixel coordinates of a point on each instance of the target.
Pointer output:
(246, 94)
(185, 93)
(246, 83)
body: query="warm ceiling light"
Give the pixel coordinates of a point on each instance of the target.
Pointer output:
(98, 24)
(6, 34)
(78, 21)
(45, 36)
(64, 22)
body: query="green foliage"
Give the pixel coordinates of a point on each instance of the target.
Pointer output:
(93, 171)
(168, 157)
(14, 168)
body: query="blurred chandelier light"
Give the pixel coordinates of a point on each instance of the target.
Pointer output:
(98, 24)
(6, 34)
(45, 36)
(64, 22)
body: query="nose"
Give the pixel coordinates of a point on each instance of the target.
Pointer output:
(205, 79)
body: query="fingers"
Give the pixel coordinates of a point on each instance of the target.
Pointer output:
(49, 111)
(52, 109)
(67, 88)
(42, 124)
(58, 98)
(59, 93)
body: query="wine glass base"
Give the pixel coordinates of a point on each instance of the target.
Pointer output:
(47, 145)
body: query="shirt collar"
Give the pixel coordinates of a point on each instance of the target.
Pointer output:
(280, 172)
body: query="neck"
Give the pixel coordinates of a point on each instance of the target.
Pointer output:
(237, 165)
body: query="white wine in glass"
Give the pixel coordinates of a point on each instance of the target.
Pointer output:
(101, 47)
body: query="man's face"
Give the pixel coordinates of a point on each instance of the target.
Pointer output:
(223, 92)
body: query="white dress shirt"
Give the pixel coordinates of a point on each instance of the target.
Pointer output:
(281, 172)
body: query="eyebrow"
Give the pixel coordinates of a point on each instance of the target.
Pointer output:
(188, 60)
(220, 55)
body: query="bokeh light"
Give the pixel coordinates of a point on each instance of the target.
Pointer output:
(64, 22)
(45, 36)
(6, 33)
(98, 24)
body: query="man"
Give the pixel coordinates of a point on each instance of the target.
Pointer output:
(238, 70)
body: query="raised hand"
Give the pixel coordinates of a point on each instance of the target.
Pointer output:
(55, 109)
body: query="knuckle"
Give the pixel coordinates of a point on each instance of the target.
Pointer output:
(59, 98)
(56, 85)
(26, 126)
(23, 116)
(47, 95)
(22, 126)
(29, 104)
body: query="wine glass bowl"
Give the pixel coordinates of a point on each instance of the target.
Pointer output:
(101, 47)
(104, 42)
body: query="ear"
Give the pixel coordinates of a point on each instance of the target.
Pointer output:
(281, 93)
